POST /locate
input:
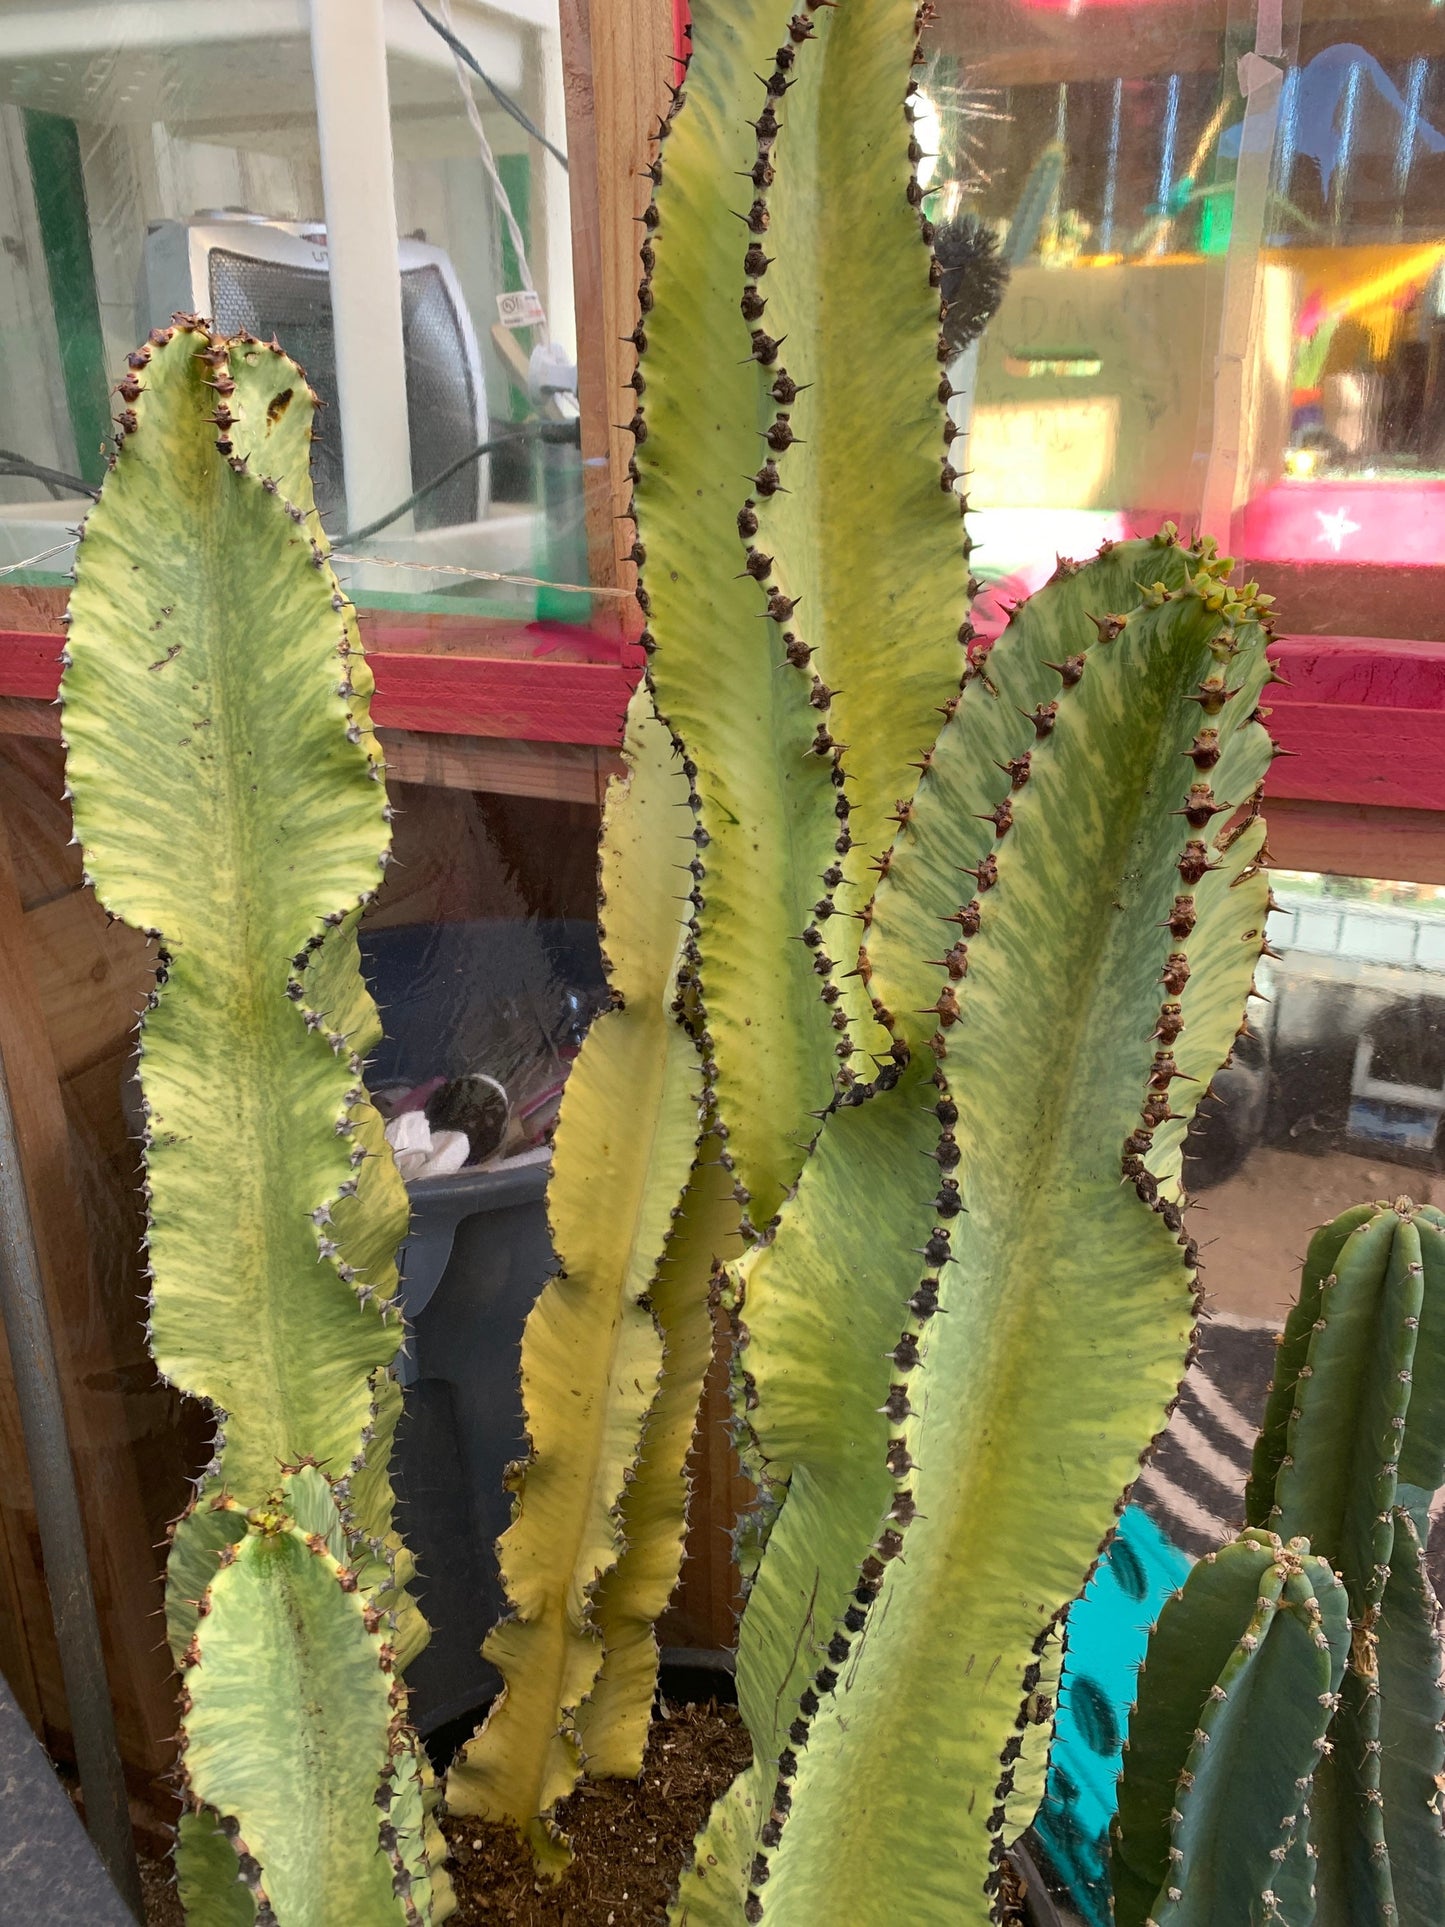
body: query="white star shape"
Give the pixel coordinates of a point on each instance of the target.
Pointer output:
(1334, 527)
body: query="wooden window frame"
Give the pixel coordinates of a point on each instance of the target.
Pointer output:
(536, 709)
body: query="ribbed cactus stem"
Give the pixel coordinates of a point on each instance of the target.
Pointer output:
(1350, 1454)
(1105, 935)
(793, 517)
(229, 799)
(593, 1353)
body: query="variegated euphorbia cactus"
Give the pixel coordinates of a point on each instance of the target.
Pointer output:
(956, 1434)
(837, 623)
(228, 798)
(1040, 1033)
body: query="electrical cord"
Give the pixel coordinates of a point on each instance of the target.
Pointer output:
(566, 434)
(54, 478)
(503, 100)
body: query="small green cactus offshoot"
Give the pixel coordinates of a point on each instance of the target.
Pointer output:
(1348, 1460)
(1235, 1694)
(228, 798)
(1351, 1453)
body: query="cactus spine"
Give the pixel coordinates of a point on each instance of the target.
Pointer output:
(1234, 1699)
(1351, 1453)
(228, 798)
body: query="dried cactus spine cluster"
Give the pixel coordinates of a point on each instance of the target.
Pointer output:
(213, 669)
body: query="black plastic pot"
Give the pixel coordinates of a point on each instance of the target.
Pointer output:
(478, 1254)
(1045, 1903)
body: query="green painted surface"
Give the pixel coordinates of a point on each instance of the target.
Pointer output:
(52, 147)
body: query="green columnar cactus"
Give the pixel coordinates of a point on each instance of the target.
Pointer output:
(228, 798)
(843, 497)
(1350, 1454)
(1234, 1699)
(944, 1499)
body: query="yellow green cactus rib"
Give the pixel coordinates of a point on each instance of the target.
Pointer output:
(289, 1736)
(766, 827)
(592, 1353)
(713, 425)
(1050, 1081)
(612, 1724)
(857, 551)
(206, 674)
(821, 1302)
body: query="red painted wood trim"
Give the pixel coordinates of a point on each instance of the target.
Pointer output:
(1363, 718)
(539, 700)
(1364, 721)
(1360, 670)
(29, 664)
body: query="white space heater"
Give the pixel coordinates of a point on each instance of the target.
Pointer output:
(272, 277)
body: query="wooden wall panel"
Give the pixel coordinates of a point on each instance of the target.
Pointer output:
(72, 984)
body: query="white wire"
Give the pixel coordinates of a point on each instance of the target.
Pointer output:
(389, 562)
(489, 161)
(29, 561)
(479, 575)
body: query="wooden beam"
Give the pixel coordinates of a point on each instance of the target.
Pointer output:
(567, 772)
(1363, 720)
(1356, 840)
(543, 697)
